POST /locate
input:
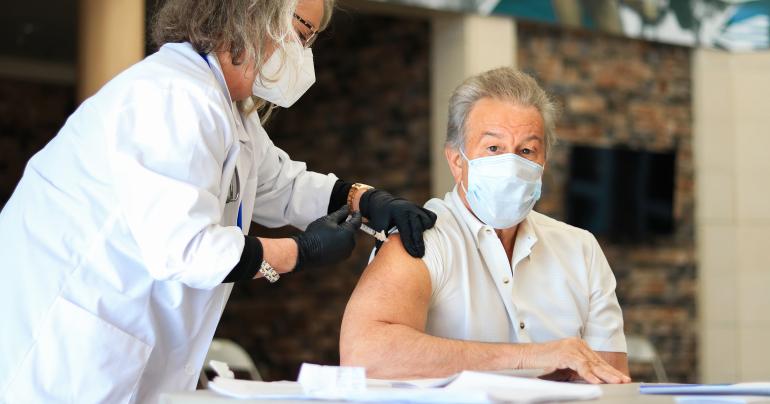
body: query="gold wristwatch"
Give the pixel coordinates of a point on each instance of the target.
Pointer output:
(268, 272)
(354, 189)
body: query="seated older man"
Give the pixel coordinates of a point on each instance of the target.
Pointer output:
(500, 286)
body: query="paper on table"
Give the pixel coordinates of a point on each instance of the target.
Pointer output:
(523, 390)
(426, 383)
(247, 389)
(468, 387)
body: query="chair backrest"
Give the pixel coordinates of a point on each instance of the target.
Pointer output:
(641, 350)
(229, 352)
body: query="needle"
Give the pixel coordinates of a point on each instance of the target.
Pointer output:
(379, 235)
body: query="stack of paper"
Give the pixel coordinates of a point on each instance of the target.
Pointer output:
(335, 383)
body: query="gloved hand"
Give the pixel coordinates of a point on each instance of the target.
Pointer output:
(385, 211)
(327, 240)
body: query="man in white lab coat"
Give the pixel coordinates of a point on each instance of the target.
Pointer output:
(120, 244)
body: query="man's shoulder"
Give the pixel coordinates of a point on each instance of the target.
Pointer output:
(447, 221)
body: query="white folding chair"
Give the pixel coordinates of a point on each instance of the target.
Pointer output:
(229, 352)
(641, 350)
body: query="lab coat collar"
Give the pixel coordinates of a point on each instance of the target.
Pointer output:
(216, 68)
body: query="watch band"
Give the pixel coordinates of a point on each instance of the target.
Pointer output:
(354, 189)
(268, 272)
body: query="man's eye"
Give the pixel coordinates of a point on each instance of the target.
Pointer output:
(526, 151)
(493, 149)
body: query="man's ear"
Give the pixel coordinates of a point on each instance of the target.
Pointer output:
(455, 160)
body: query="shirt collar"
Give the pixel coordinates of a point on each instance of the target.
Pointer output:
(526, 236)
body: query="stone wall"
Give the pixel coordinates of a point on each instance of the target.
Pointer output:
(621, 92)
(366, 119)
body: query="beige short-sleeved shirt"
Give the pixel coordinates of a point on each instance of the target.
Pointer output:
(558, 283)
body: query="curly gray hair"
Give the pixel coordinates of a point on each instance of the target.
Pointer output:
(504, 83)
(245, 28)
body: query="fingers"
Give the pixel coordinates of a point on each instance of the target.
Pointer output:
(417, 223)
(598, 369)
(598, 372)
(586, 371)
(339, 215)
(407, 235)
(428, 220)
(354, 222)
(615, 375)
(609, 374)
(419, 244)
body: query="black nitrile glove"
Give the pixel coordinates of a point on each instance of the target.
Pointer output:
(327, 240)
(385, 211)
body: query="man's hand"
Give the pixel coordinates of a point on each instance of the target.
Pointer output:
(569, 356)
(385, 211)
(327, 240)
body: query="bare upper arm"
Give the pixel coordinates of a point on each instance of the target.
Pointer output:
(395, 288)
(618, 360)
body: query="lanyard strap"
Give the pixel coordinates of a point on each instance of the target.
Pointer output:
(239, 220)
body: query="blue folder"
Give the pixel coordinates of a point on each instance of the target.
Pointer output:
(742, 389)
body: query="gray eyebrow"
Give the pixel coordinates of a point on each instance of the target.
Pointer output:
(497, 135)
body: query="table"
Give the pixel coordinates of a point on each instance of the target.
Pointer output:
(613, 394)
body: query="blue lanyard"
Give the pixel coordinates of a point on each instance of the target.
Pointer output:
(239, 220)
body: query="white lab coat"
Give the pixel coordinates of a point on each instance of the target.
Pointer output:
(114, 245)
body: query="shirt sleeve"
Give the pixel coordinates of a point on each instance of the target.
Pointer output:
(435, 260)
(604, 329)
(287, 193)
(167, 159)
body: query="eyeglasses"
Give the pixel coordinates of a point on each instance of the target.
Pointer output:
(305, 39)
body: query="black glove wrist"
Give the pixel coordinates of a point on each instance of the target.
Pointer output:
(327, 240)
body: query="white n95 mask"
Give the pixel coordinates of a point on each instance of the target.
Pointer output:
(284, 86)
(502, 189)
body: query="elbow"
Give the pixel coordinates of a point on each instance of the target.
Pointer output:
(362, 346)
(356, 349)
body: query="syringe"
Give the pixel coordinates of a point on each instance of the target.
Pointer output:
(379, 235)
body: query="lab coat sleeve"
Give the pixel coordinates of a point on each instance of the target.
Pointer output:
(604, 329)
(287, 192)
(167, 161)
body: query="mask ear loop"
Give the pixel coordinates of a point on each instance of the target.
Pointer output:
(469, 166)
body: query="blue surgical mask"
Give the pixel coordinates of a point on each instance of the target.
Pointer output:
(502, 189)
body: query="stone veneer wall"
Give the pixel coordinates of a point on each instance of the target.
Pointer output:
(621, 92)
(366, 119)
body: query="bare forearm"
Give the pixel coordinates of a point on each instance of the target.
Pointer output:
(398, 351)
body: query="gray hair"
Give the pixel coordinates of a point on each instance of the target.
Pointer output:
(245, 28)
(506, 84)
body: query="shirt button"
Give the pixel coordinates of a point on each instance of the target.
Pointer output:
(506, 280)
(521, 325)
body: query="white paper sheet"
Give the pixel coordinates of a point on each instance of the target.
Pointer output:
(467, 387)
